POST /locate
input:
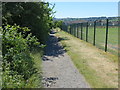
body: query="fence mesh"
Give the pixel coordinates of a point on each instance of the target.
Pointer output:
(95, 32)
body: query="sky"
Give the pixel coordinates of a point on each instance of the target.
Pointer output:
(85, 9)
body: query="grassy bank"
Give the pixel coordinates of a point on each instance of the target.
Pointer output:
(99, 68)
(100, 37)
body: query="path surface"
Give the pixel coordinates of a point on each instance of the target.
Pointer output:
(58, 69)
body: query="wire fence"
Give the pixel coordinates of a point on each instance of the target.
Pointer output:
(101, 33)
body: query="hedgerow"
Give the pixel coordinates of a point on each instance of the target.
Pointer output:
(25, 27)
(18, 65)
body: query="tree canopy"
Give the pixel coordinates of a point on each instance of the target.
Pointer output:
(38, 16)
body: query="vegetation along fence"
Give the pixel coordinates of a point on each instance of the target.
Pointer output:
(101, 33)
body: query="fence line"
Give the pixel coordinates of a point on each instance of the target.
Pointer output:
(77, 31)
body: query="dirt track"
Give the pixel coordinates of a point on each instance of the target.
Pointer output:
(58, 69)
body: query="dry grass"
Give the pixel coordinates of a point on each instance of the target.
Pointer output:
(99, 68)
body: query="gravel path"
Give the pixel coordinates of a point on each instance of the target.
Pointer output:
(58, 69)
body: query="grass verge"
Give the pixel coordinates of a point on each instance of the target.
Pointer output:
(101, 36)
(35, 80)
(100, 69)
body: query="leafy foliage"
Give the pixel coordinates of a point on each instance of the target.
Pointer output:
(35, 15)
(17, 61)
(18, 41)
(58, 24)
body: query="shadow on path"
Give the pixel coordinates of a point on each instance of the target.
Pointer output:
(53, 48)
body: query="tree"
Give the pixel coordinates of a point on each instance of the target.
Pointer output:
(58, 24)
(35, 15)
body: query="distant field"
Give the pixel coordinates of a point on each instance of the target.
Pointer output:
(100, 38)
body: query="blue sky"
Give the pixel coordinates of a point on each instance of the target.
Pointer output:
(85, 9)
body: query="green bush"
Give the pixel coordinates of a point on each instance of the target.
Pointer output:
(11, 79)
(18, 65)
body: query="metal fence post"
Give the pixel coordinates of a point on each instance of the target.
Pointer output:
(81, 30)
(70, 29)
(87, 32)
(74, 29)
(67, 28)
(94, 33)
(106, 39)
(77, 30)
